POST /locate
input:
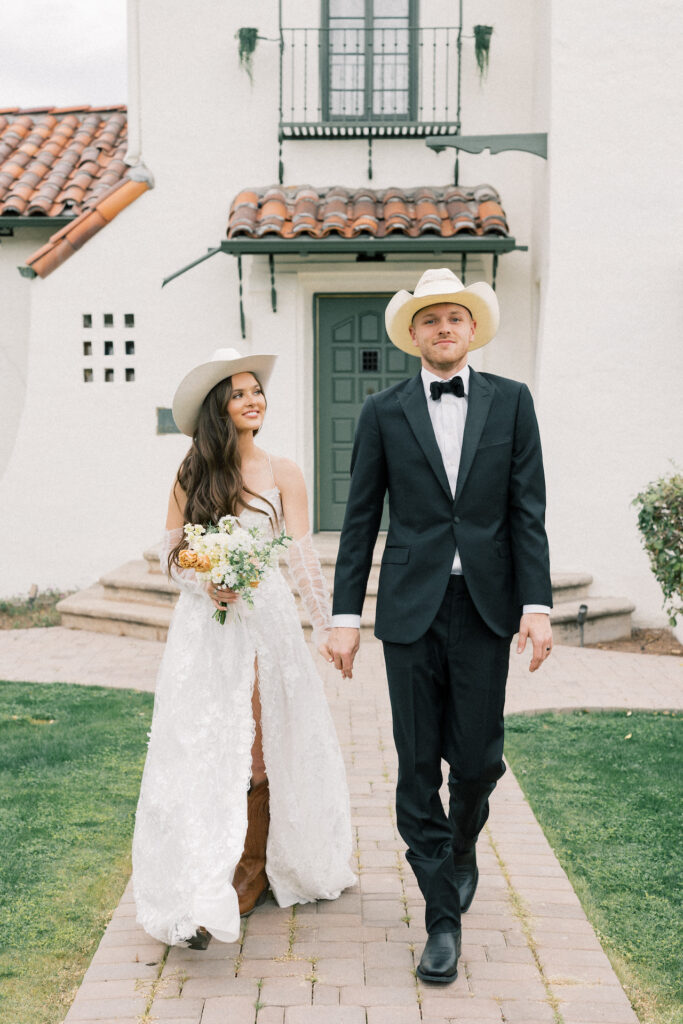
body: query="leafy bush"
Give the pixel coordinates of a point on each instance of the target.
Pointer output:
(660, 521)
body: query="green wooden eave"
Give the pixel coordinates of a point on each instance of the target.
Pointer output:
(304, 245)
(35, 222)
(529, 142)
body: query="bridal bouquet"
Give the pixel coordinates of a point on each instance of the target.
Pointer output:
(230, 556)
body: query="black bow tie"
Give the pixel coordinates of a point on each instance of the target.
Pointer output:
(438, 388)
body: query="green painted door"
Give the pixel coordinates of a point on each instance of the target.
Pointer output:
(354, 358)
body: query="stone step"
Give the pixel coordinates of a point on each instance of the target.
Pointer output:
(126, 607)
(135, 582)
(567, 586)
(91, 609)
(607, 618)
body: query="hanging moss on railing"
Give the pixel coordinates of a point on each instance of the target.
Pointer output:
(247, 44)
(482, 43)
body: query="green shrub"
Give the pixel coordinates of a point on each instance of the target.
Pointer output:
(660, 521)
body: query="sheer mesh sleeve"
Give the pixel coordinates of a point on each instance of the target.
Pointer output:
(307, 574)
(184, 578)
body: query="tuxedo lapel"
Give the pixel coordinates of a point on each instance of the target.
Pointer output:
(414, 404)
(478, 405)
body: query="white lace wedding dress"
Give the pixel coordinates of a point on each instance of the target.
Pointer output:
(192, 813)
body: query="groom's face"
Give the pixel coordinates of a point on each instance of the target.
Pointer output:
(443, 334)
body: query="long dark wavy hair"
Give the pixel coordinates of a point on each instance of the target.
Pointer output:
(211, 472)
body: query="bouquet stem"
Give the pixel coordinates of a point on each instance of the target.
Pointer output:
(219, 615)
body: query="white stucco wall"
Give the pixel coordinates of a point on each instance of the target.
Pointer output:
(15, 309)
(610, 368)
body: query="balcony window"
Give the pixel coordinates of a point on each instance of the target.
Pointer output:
(370, 70)
(368, 62)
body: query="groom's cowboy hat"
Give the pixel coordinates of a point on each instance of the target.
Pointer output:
(442, 286)
(195, 386)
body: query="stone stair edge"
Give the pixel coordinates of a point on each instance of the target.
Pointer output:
(92, 603)
(561, 578)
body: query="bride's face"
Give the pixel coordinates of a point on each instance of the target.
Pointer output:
(247, 403)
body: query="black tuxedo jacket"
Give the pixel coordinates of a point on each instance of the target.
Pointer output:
(496, 519)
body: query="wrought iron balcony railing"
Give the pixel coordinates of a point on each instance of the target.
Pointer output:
(359, 82)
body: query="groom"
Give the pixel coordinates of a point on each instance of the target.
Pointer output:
(465, 566)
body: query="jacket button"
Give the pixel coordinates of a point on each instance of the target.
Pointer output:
(456, 519)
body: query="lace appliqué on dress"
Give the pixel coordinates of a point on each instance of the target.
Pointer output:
(191, 818)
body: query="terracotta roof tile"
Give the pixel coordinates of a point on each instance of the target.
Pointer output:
(75, 234)
(68, 160)
(59, 160)
(303, 210)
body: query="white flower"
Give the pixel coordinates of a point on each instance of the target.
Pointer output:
(226, 524)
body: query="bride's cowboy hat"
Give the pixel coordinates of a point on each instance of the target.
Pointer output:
(442, 286)
(195, 386)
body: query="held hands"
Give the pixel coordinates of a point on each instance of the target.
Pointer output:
(341, 648)
(535, 626)
(221, 597)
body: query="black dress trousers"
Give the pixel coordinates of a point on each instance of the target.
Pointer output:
(447, 691)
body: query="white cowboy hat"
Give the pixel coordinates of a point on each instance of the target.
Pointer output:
(195, 386)
(442, 286)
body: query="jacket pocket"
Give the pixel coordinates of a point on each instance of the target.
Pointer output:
(495, 444)
(395, 556)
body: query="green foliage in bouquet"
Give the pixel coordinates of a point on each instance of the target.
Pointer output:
(660, 521)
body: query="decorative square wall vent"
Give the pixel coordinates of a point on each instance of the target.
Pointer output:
(109, 359)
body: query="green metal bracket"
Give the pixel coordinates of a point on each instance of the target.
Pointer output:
(195, 263)
(273, 293)
(365, 248)
(239, 274)
(531, 142)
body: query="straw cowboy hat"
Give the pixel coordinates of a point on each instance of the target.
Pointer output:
(195, 386)
(442, 286)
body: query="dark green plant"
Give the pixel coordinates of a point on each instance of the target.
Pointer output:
(482, 43)
(660, 521)
(247, 38)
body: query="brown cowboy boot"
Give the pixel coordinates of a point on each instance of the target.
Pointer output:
(250, 879)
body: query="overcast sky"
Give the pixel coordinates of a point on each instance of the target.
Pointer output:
(63, 53)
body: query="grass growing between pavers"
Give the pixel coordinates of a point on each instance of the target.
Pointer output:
(607, 789)
(71, 759)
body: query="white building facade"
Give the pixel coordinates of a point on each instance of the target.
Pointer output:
(590, 310)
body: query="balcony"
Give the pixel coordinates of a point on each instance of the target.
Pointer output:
(369, 82)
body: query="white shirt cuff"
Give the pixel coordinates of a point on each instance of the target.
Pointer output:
(531, 609)
(346, 621)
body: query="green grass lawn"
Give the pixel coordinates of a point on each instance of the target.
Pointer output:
(71, 759)
(607, 789)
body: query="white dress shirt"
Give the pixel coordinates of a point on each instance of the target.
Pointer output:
(448, 415)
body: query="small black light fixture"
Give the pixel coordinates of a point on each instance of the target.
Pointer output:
(581, 618)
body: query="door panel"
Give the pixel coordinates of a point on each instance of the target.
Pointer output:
(354, 359)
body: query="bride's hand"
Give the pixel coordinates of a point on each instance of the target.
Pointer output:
(324, 649)
(221, 597)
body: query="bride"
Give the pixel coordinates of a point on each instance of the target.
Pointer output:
(244, 785)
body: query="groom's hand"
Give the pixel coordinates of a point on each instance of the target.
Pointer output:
(343, 644)
(535, 626)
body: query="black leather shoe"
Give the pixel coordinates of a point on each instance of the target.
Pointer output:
(439, 961)
(466, 877)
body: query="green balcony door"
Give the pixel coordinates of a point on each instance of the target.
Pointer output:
(354, 359)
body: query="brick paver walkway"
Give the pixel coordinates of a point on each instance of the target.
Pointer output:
(529, 954)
